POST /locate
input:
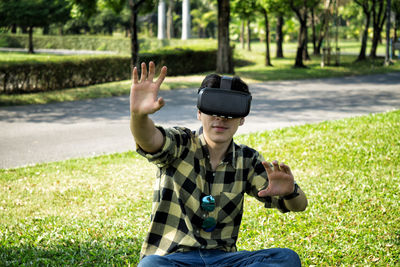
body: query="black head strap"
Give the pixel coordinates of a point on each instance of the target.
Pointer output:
(226, 83)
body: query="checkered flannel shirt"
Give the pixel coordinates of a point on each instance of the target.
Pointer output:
(184, 177)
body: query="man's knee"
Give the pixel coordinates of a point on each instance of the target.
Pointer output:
(152, 261)
(287, 255)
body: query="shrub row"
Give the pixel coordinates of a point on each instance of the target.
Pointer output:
(44, 76)
(100, 43)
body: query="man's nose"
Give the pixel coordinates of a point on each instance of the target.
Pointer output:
(221, 118)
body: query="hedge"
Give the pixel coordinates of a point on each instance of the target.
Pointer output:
(44, 76)
(101, 43)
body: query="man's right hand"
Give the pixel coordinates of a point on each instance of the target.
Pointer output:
(144, 98)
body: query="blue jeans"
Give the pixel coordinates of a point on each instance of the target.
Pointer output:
(197, 258)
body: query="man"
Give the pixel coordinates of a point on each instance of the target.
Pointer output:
(202, 178)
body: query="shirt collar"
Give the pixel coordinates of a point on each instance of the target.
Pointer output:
(231, 153)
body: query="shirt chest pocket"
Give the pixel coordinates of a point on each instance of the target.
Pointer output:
(228, 207)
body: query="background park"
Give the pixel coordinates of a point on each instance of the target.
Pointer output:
(95, 210)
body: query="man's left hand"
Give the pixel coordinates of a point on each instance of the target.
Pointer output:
(280, 180)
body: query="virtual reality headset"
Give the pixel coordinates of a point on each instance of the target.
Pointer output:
(223, 101)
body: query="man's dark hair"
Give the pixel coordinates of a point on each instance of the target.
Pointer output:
(214, 81)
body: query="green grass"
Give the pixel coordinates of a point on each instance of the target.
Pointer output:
(95, 211)
(253, 72)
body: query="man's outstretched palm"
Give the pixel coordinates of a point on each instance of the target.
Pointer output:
(280, 180)
(144, 93)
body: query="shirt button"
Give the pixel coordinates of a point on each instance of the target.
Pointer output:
(214, 174)
(197, 231)
(203, 247)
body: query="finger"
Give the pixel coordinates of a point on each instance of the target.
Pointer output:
(135, 76)
(276, 165)
(286, 169)
(267, 167)
(144, 72)
(160, 102)
(161, 77)
(152, 70)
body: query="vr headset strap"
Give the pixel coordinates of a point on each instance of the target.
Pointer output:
(226, 83)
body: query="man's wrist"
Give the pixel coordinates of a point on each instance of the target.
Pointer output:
(292, 195)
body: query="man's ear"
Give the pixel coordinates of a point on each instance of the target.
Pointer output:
(241, 122)
(199, 115)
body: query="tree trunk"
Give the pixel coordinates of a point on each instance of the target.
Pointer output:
(134, 6)
(395, 29)
(170, 19)
(302, 39)
(378, 19)
(224, 54)
(46, 30)
(248, 36)
(279, 37)
(322, 33)
(14, 28)
(267, 40)
(364, 39)
(314, 35)
(306, 56)
(242, 34)
(161, 20)
(30, 32)
(185, 20)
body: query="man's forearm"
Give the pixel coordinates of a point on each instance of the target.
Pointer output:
(146, 135)
(298, 203)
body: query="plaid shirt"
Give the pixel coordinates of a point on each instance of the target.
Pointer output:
(184, 177)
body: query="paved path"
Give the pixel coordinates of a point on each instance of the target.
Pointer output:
(52, 132)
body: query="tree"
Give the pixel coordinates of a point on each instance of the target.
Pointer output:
(300, 8)
(367, 9)
(33, 13)
(265, 6)
(324, 28)
(105, 21)
(246, 11)
(378, 21)
(135, 6)
(203, 22)
(161, 19)
(396, 10)
(224, 54)
(170, 19)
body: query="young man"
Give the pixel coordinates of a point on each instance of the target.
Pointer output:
(202, 178)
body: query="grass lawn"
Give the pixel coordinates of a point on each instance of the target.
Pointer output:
(254, 71)
(95, 211)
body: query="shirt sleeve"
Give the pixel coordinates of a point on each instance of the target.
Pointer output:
(176, 140)
(258, 180)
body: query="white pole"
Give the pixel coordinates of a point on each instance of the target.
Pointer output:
(161, 20)
(185, 19)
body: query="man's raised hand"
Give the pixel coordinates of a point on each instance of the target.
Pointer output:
(280, 180)
(144, 98)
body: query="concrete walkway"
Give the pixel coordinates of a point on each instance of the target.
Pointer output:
(53, 132)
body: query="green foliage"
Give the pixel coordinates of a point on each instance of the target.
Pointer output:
(183, 60)
(33, 13)
(96, 211)
(105, 43)
(45, 75)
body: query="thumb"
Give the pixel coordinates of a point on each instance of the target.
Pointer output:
(265, 193)
(159, 104)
